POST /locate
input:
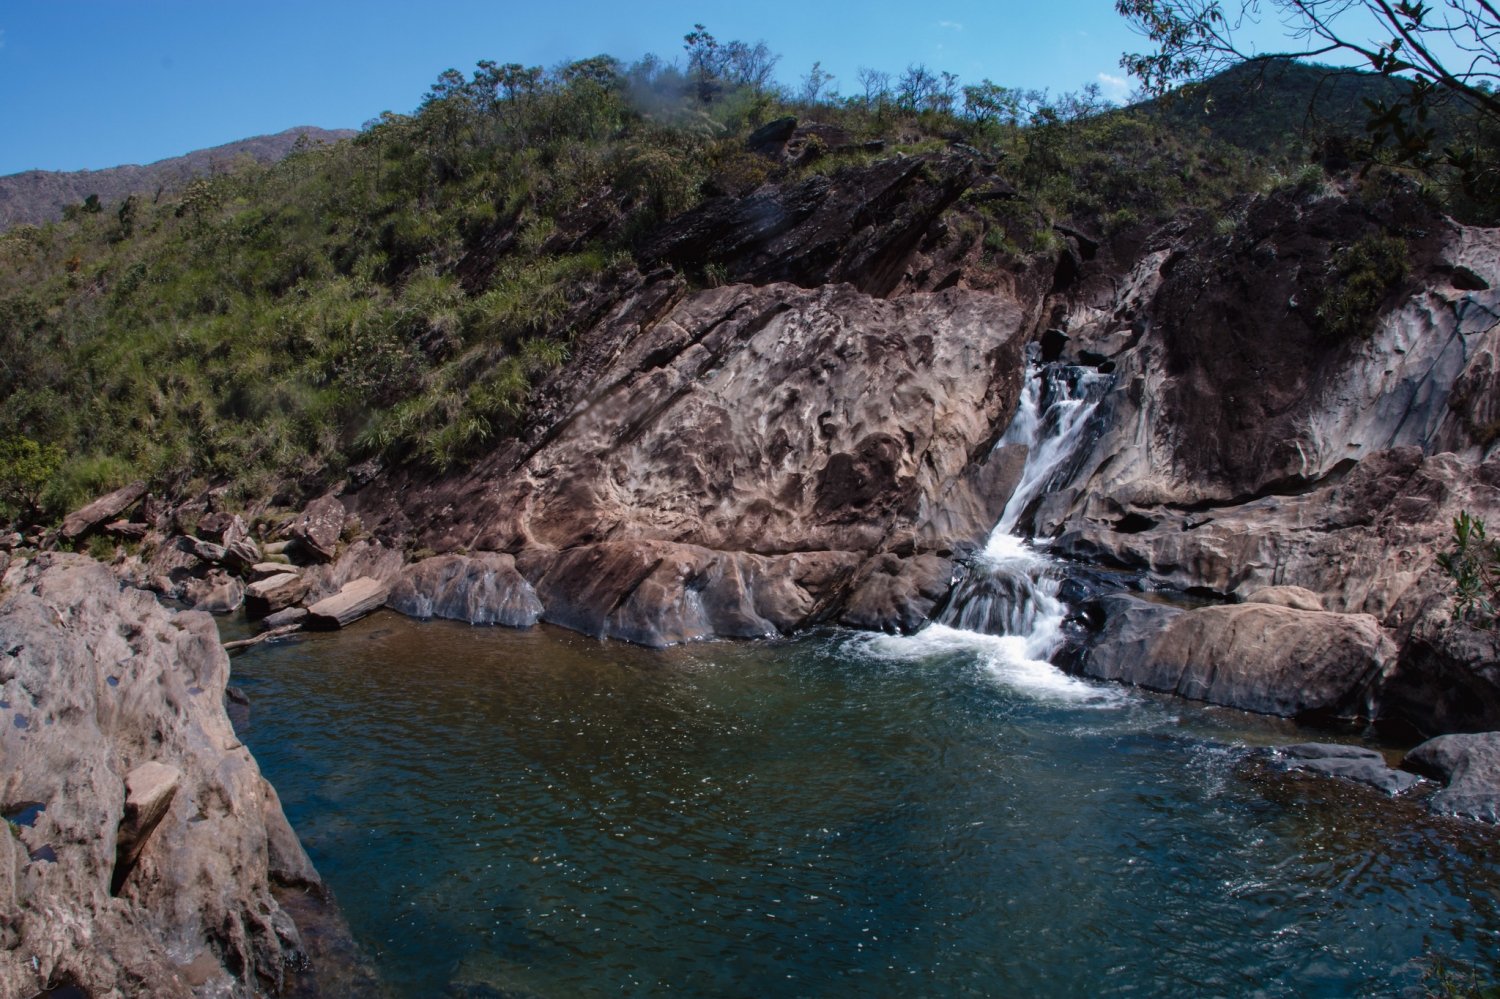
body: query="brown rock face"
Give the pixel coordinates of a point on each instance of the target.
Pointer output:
(745, 426)
(147, 840)
(1274, 660)
(659, 593)
(774, 420)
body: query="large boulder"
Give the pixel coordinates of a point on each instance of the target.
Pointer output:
(146, 844)
(274, 593)
(1258, 657)
(1469, 765)
(484, 588)
(355, 600)
(318, 528)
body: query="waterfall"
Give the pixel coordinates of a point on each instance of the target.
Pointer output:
(1010, 588)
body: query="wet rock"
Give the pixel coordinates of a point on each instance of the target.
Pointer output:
(355, 600)
(318, 528)
(1469, 764)
(1356, 763)
(119, 692)
(106, 507)
(895, 594)
(274, 593)
(484, 588)
(1120, 629)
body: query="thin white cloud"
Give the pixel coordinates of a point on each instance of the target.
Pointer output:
(1115, 87)
(951, 25)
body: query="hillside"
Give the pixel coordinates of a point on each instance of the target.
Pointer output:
(39, 196)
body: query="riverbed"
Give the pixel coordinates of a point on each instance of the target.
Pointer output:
(536, 813)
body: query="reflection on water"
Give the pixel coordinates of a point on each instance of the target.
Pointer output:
(537, 813)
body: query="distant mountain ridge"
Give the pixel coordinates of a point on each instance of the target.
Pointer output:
(39, 196)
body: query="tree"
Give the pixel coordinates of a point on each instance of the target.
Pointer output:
(815, 84)
(1446, 52)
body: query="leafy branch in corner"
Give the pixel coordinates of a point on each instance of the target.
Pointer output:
(1445, 53)
(1473, 563)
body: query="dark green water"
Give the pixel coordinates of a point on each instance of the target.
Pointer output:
(536, 813)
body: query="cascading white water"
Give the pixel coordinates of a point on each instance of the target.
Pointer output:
(1011, 588)
(1006, 608)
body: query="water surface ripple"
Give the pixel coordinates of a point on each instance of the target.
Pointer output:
(540, 814)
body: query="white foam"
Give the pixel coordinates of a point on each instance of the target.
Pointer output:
(1005, 657)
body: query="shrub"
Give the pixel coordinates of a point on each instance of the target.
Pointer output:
(1363, 275)
(25, 469)
(1473, 564)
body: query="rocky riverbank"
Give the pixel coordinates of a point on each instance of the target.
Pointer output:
(818, 442)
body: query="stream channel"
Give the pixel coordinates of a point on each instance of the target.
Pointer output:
(538, 813)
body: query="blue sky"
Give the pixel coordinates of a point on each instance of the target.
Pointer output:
(96, 83)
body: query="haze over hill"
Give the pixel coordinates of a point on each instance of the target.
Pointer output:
(39, 196)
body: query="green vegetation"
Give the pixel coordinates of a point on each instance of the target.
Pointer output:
(25, 469)
(1473, 563)
(400, 295)
(1364, 275)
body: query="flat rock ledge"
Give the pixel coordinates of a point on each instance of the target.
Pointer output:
(142, 843)
(1469, 766)
(1356, 763)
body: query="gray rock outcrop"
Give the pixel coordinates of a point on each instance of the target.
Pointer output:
(479, 589)
(147, 844)
(1469, 766)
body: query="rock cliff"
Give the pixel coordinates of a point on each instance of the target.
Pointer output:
(753, 458)
(143, 850)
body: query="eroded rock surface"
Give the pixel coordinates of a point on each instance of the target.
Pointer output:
(776, 436)
(479, 589)
(123, 772)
